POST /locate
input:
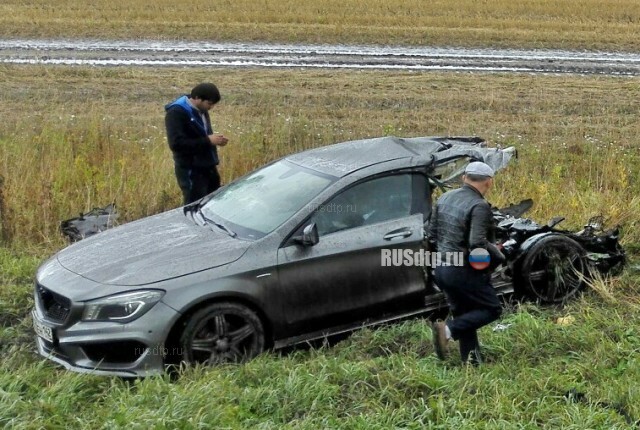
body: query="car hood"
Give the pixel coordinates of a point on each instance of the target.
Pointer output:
(153, 249)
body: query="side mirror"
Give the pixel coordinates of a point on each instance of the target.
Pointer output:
(309, 235)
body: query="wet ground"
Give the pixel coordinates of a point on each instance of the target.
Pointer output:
(203, 54)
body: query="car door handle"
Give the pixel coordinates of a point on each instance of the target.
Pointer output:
(405, 232)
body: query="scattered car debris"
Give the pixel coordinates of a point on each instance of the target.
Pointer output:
(501, 327)
(89, 223)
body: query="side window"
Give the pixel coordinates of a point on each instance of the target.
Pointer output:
(369, 202)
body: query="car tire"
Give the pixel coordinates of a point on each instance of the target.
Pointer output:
(221, 333)
(553, 269)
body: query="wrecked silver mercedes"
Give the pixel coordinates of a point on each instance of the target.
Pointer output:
(288, 253)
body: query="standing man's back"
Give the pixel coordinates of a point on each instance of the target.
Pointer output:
(193, 142)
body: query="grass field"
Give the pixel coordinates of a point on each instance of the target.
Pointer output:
(73, 138)
(540, 374)
(589, 24)
(82, 137)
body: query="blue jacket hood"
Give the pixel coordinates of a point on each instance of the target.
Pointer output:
(183, 102)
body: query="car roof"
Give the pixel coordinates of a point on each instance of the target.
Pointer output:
(344, 158)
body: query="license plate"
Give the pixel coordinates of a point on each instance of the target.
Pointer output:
(42, 330)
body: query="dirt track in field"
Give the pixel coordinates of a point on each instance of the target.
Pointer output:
(202, 54)
(205, 54)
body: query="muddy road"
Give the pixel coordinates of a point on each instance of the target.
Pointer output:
(205, 54)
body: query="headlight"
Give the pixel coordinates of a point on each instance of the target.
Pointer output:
(121, 307)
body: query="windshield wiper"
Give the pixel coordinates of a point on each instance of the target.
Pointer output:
(217, 224)
(191, 209)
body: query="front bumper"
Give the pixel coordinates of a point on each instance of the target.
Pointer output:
(135, 349)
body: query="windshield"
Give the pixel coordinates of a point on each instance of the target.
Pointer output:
(255, 205)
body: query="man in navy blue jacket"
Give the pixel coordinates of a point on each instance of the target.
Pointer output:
(193, 142)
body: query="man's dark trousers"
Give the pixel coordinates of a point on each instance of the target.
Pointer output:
(197, 182)
(473, 303)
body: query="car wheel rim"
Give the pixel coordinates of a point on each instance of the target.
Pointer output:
(555, 273)
(223, 338)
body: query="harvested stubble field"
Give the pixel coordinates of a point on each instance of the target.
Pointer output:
(73, 138)
(589, 24)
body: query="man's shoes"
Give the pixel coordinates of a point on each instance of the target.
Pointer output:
(474, 358)
(440, 339)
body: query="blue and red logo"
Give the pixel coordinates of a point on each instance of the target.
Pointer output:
(479, 258)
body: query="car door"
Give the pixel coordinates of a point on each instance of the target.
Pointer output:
(342, 278)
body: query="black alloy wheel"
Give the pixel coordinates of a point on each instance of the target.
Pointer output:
(553, 270)
(222, 333)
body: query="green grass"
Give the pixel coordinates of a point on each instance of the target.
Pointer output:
(375, 379)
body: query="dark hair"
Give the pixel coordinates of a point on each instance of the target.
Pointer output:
(206, 91)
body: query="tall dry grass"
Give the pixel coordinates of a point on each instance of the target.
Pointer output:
(589, 24)
(74, 138)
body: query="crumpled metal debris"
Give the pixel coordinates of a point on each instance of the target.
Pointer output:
(501, 327)
(89, 223)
